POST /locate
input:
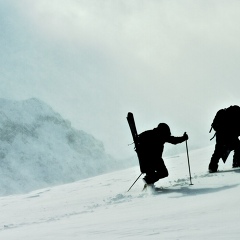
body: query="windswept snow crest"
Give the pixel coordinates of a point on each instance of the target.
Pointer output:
(39, 148)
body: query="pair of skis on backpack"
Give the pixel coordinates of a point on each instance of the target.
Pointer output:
(131, 122)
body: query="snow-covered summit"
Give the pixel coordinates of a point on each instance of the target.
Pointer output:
(24, 111)
(39, 148)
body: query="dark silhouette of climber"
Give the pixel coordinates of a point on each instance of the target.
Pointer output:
(150, 149)
(226, 123)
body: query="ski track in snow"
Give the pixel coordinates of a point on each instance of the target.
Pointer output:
(180, 186)
(100, 207)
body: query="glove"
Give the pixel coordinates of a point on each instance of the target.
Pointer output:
(185, 136)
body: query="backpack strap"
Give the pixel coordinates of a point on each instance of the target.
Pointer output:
(210, 129)
(213, 137)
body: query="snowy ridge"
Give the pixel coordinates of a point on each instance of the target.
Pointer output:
(100, 208)
(39, 148)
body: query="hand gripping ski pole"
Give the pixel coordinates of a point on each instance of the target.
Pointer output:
(189, 165)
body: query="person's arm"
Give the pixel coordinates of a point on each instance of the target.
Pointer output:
(177, 140)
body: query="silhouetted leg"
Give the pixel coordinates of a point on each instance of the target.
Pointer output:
(213, 166)
(236, 155)
(157, 171)
(161, 170)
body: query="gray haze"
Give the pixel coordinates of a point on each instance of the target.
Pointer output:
(95, 60)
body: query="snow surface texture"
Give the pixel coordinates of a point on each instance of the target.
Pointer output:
(38, 148)
(101, 208)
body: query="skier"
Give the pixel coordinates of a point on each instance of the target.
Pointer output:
(227, 126)
(150, 149)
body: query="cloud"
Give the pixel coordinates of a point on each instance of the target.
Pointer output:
(94, 61)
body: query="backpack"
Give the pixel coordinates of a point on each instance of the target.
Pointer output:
(219, 120)
(227, 118)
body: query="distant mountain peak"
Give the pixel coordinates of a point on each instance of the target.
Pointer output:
(39, 148)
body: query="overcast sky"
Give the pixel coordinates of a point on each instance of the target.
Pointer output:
(93, 61)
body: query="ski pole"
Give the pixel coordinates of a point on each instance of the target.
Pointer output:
(135, 181)
(189, 164)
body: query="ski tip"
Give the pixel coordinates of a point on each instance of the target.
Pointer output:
(130, 116)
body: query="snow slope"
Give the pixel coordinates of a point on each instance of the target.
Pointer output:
(100, 208)
(38, 148)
